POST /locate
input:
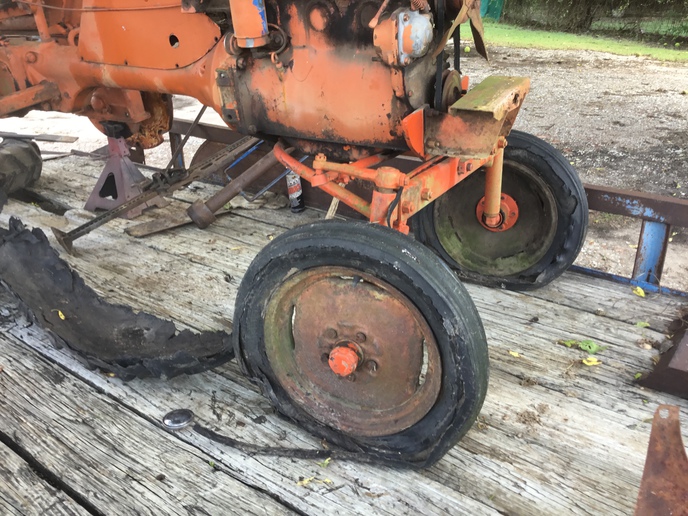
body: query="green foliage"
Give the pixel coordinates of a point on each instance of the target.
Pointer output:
(653, 20)
(506, 35)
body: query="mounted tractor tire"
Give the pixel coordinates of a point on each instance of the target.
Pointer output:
(365, 338)
(548, 209)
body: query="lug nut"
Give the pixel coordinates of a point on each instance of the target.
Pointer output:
(330, 333)
(361, 337)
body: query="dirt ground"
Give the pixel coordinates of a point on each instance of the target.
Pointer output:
(621, 121)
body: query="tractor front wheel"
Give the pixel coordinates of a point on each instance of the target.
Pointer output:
(546, 214)
(365, 338)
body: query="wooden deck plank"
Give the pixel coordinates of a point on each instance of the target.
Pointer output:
(239, 411)
(23, 492)
(112, 457)
(555, 437)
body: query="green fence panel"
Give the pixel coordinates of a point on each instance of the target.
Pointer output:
(491, 9)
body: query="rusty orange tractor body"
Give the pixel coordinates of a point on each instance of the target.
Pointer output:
(358, 333)
(313, 73)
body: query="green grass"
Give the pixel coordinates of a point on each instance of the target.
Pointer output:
(503, 35)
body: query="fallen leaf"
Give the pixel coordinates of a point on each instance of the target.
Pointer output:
(591, 347)
(305, 481)
(325, 463)
(642, 324)
(638, 291)
(568, 343)
(514, 354)
(590, 361)
(638, 376)
(59, 314)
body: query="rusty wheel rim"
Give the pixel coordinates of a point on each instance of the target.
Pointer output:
(326, 312)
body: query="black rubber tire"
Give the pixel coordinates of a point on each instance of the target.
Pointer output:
(415, 271)
(20, 164)
(537, 165)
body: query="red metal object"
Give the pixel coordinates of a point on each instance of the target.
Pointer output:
(664, 488)
(508, 214)
(343, 360)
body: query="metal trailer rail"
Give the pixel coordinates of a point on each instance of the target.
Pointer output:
(658, 213)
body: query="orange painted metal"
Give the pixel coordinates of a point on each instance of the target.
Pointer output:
(343, 360)
(341, 193)
(173, 39)
(323, 86)
(508, 210)
(41, 22)
(250, 24)
(492, 217)
(21, 99)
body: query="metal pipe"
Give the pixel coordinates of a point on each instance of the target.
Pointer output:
(341, 193)
(493, 190)
(41, 22)
(203, 213)
(250, 23)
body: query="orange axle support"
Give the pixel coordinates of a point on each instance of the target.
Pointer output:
(396, 196)
(493, 188)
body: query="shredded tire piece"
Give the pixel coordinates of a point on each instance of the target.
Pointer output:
(104, 335)
(296, 453)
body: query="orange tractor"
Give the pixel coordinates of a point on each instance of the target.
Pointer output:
(355, 330)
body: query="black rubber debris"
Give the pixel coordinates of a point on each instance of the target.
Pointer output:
(111, 337)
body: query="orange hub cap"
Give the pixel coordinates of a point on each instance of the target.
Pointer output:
(343, 360)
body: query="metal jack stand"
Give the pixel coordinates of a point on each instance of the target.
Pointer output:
(119, 182)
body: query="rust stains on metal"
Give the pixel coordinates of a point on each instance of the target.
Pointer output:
(320, 318)
(664, 488)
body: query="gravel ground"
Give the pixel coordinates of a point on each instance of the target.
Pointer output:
(621, 121)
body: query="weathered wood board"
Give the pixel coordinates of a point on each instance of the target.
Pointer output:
(554, 436)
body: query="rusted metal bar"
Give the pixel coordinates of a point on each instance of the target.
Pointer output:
(23, 99)
(203, 213)
(341, 193)
(664, 488)
(670, 375)
(40, 137)
(657, 208)
(213, 132)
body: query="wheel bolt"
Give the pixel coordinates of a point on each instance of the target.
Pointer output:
(330, 333)
(361, 337)
(371, 366)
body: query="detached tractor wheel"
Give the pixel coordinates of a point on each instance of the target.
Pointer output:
(365, 338)
(546, 223)
(20, 165)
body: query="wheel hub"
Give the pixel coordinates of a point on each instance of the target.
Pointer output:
(353, 351)
(343, 360)
(508, 214)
